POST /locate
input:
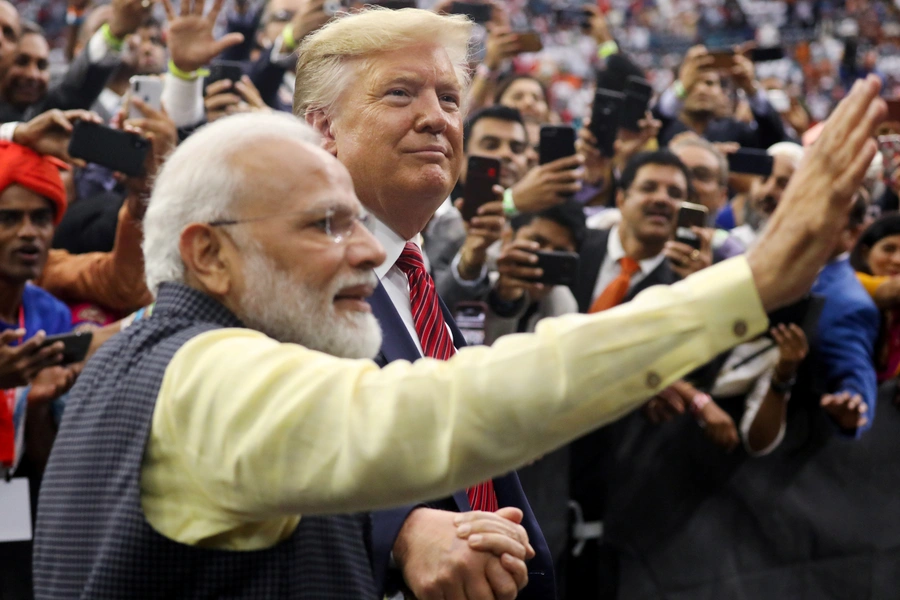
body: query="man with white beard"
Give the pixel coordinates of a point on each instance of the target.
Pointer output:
(194, 441)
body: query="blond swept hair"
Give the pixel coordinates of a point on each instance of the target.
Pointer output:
(324, 68)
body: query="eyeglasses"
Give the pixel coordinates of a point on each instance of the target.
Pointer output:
(339, 225)
(704, 174)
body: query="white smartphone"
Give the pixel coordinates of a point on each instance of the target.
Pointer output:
(148, 89)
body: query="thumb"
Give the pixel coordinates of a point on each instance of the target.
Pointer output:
(11, 335)
(511, 513)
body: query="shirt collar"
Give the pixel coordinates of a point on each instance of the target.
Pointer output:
(393, 245)
(615, 252)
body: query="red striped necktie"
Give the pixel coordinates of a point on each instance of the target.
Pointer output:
(436, 340)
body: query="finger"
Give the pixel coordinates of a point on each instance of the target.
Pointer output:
(170, 12)
(198, 7)
(250, 93)
(216, 9)
(227, 41)
(524, 256)
(217, 87)
(517, 568)
(526, 274)
(11, 335)
(853, 403)
(567, 162)
(492, 208)
(488, 223)
(511, 513)
(478, 587)
(185, 6)
(221, 101)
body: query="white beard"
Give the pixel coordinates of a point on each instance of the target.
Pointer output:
(292, 312)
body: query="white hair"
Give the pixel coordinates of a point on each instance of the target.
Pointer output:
(324, 69)
(789, 150)
(202, 179)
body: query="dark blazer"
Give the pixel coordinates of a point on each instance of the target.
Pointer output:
(593, 251)
(386, 524)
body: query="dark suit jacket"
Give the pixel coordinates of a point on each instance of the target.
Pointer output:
(79, 88)
(593, 251)
(397, 345)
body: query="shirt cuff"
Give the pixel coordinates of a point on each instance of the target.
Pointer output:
(669, 104)
(183, 100)
(454, 268)
(98, 49)
(8, 131)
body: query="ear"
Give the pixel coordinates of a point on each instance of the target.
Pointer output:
(206, 259)
(321, 123)
(620, 198)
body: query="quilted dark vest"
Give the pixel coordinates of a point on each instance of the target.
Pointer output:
(92, 540)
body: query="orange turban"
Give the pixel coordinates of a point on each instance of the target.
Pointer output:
(40, 174)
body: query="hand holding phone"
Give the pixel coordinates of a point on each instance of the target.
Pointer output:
(606, 117)
(223, 69)
(482, 174)
(690, 215)
(117, 150)
(148, 90)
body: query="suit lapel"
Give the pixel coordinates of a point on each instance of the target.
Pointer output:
(590, 259)
(396, 343)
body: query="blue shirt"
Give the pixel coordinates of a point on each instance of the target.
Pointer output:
(725, 218)
(42, 311)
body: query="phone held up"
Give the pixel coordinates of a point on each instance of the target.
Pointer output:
(482, 174)
(75, 345)
(117, 150)
(148, 89)
(560, 268)
(690, 215)
(606, 116)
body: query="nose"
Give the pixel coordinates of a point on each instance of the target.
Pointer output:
(28, 229)
(363, 250)
(431, 116)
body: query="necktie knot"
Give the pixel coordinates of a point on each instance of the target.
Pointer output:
(629, 266)
(411, 260)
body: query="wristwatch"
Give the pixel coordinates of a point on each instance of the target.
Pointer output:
(782, 387)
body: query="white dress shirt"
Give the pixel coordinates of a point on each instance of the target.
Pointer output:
(610, 268)
(392, 277)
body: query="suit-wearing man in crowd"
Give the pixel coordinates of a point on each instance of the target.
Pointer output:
(693, 103)
(631, 254)
(411, 95)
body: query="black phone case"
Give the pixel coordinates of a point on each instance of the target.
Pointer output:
(230, 70)
(751, 161)
(560, 268)
(482, 175)
(116, 150)
(557, 141)
(75, 348)
(637, 98)
(606, 117)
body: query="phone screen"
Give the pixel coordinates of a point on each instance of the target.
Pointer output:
(470, 317)
(690, 215)
(482, 174)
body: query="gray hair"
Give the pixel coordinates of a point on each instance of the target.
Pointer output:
(200, 182)
(699, 142)
(324, 69)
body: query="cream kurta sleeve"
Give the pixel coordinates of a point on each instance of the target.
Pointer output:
(249, 433)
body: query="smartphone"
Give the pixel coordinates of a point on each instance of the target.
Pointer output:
(530, 41)
(723, 60)
(482, 174)
(477, 12)
(606, 116)
(690, 215)
(751, 161)
(470, 317)
(117, 150)
(223, 69)
(560, 268)
(557, 141)
(638, 93)
(147, 89)
(572, 17)
(75, 345)
(767, 54)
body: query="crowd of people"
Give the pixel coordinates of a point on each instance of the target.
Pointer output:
(301, 350)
